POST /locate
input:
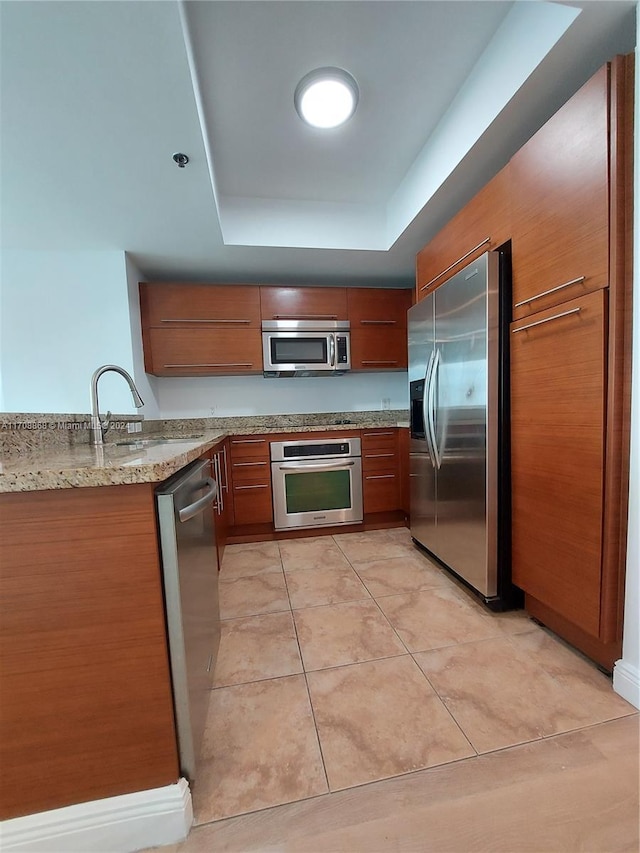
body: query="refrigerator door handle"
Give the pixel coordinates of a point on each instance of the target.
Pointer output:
(431, 410)
(425, 408)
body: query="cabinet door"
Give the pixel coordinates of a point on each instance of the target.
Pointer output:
(557, 436)
(232, 305)
(303, 303)
(203, 351)
(560, 203)
(379, 348)
(379, 307)
(482, 224)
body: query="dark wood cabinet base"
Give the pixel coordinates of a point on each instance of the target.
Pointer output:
(605, 654)
(266, 532)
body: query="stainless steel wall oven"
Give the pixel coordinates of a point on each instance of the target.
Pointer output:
(316, 482)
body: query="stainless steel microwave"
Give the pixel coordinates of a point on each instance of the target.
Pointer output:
(305, 347)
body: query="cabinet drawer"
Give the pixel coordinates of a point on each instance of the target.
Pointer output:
(385, 438)
(252, 502)
(381, 491)
(249, 447)
(303, 303)
(249, 469)
(378, 308)
(379, 348)
(236, 306)
(380, 458)
(202, 352)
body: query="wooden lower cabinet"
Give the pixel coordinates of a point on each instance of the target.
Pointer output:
(558, 409)
(86, 705)
(250, 473)
(381, 491)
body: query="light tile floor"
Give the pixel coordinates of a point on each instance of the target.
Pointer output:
(352, 658)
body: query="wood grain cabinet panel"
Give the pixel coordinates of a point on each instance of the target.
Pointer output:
(303, 303)
(171, 304)
(250, 472)
(484, 223)
(558, 389)
(381, 481)
(378, 318)
(560, 203)
(203, 351)
(201, 330)
(86, 707)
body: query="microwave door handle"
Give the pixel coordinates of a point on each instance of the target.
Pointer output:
(332, 350)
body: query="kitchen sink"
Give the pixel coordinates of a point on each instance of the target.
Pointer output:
(155, 442)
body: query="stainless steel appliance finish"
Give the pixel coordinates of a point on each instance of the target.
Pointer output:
(190, 569)
(305, 347)
(316, 482)
(456, 402)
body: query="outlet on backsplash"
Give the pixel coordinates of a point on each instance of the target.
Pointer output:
(134, 426)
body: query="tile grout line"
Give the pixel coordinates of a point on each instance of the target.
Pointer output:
(306, 682)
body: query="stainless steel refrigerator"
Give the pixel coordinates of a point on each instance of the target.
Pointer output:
(459, 453)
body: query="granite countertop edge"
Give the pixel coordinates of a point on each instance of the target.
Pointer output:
(81, 466)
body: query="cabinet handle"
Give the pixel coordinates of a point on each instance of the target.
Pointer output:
(546, 320)
(248, 440)
(261, 486)
(455, 263)
(377, 455)
(374, 434)
(378, 322)
(247, 464)
(222, 364)
(379, 476)
(578, 280)
(205, 320)
(305, 316)
(378, 361)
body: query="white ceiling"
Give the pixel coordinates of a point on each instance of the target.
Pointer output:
(96, 97)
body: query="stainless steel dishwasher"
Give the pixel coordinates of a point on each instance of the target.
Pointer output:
(190, 569)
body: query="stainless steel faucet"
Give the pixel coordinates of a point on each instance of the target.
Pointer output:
(99, 427)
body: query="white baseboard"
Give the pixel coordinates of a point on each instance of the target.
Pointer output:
(115, 825)
(626, 682)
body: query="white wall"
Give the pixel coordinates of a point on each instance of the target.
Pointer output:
(254, 395)
(63, 315)
(626, 678)
(146, 384)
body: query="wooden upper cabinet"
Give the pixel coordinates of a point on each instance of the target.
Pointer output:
(560, 203)
(378, 327)
(379, 307)
(169, 305)
(303, 303)
(201, 329)
(482, 224)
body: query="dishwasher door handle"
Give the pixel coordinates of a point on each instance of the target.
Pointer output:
(197, 506)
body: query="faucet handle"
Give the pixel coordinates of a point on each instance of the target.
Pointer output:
(106, 423)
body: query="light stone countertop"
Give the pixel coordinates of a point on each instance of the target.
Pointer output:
(79, 465)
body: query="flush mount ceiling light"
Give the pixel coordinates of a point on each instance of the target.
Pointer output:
(326, 97)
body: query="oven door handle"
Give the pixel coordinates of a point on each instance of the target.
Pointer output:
(314, 466)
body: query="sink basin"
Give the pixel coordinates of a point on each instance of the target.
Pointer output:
(154, 442)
